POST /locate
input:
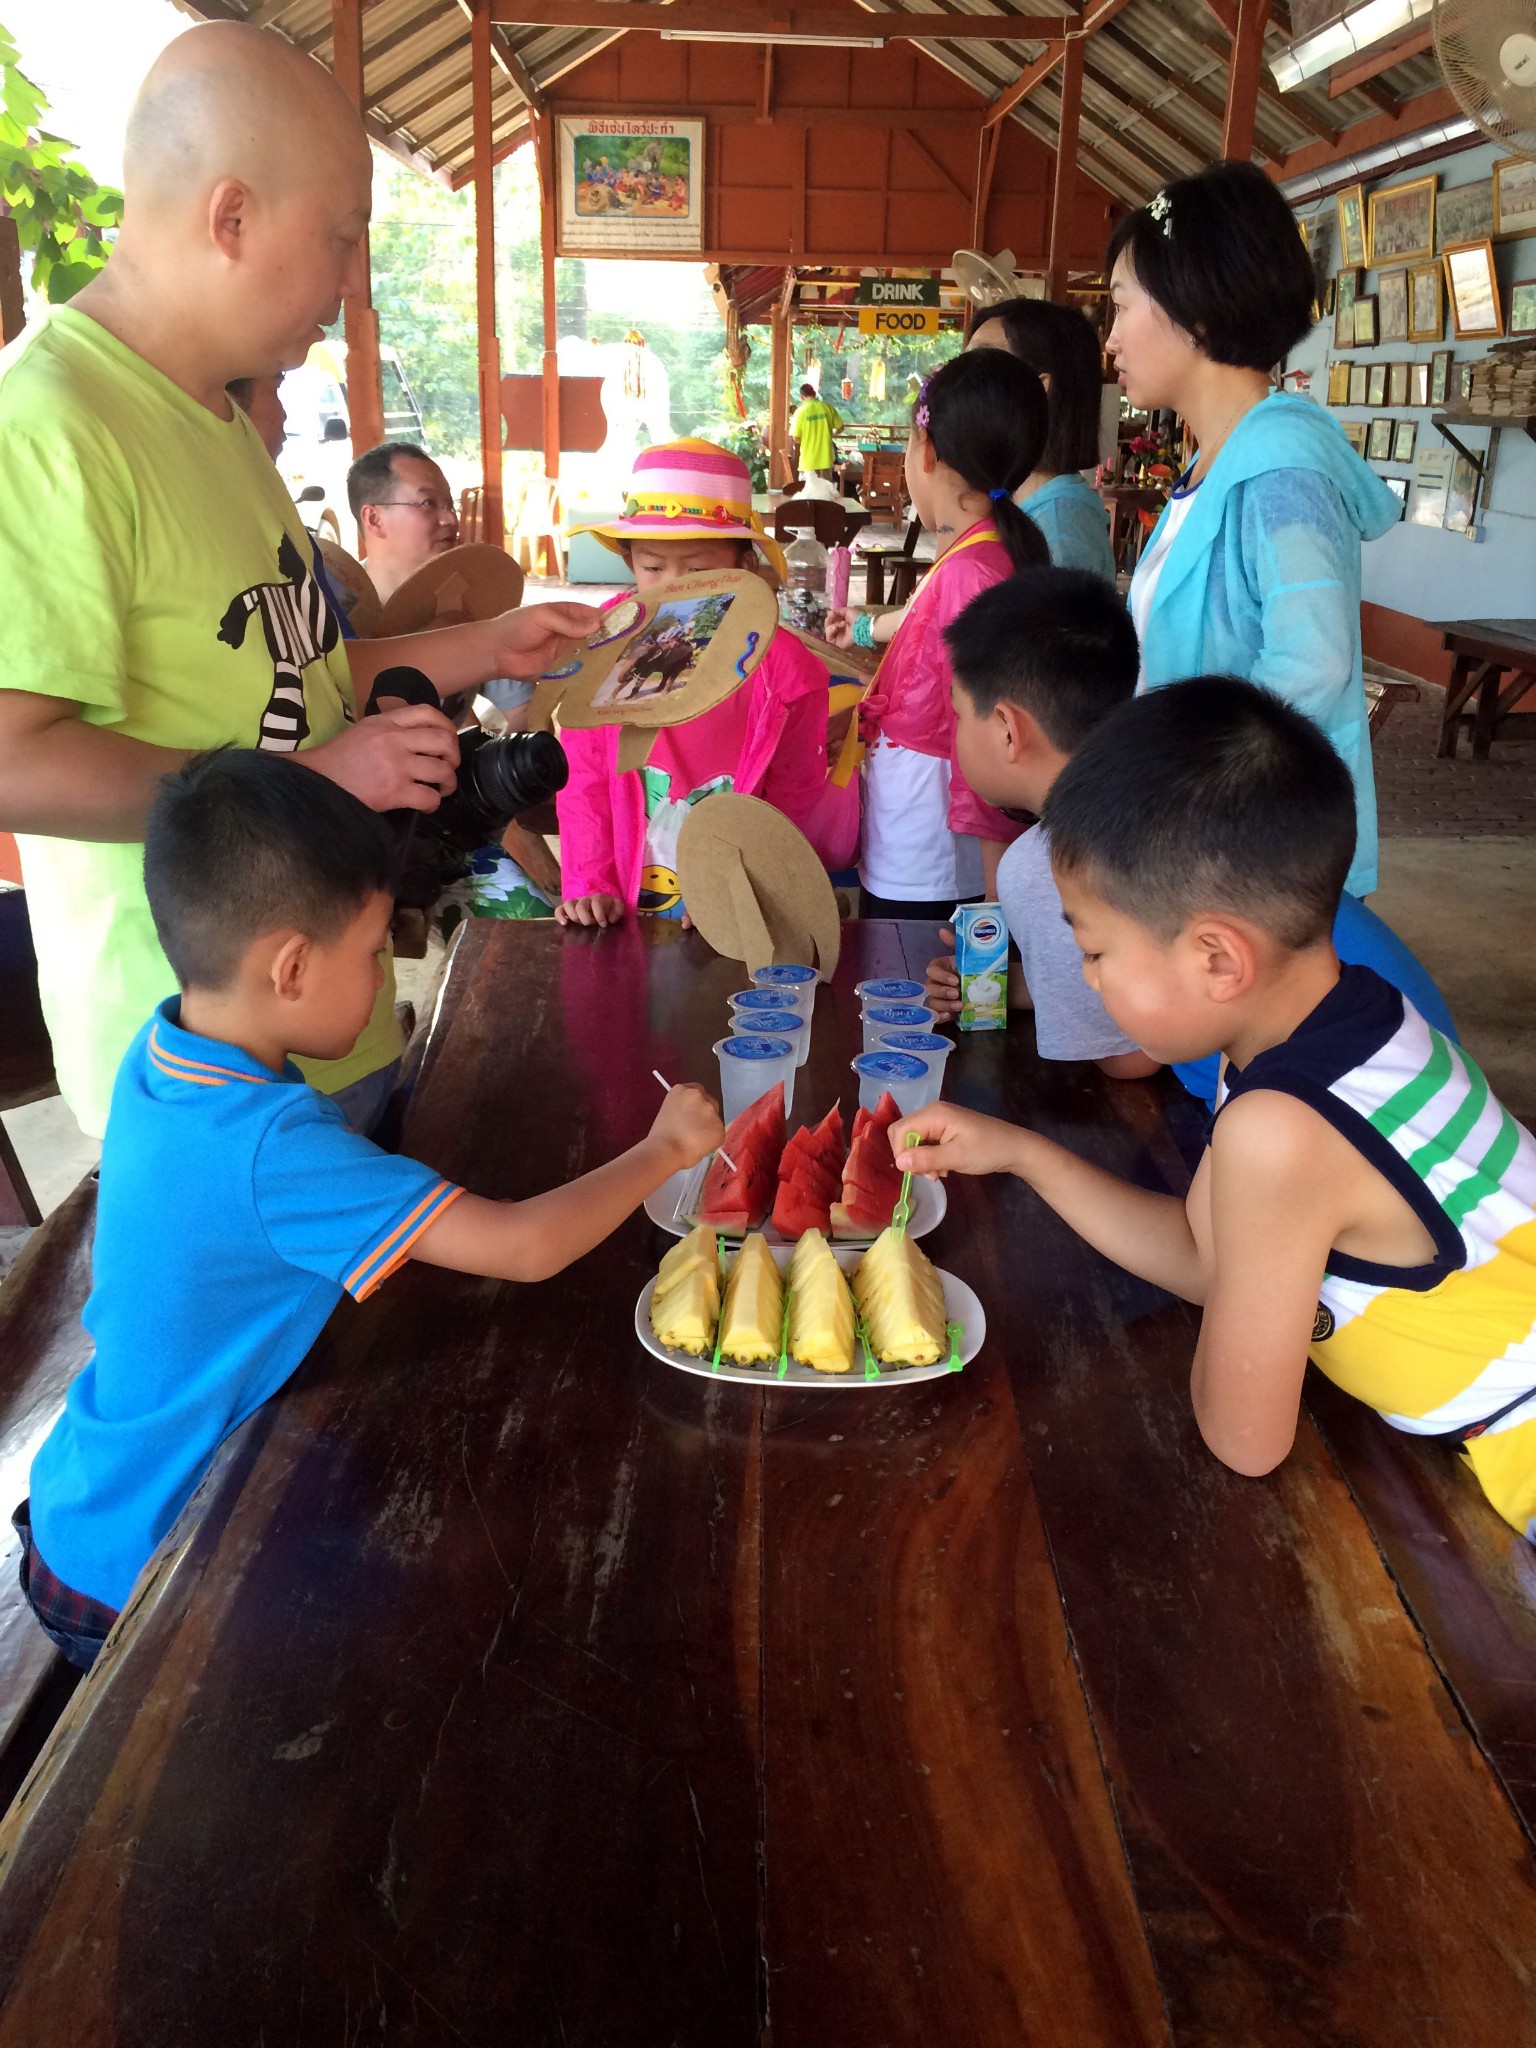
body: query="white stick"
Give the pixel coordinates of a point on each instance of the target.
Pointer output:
(667, 1086)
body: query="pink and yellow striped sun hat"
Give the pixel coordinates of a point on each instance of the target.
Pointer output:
(689, 490)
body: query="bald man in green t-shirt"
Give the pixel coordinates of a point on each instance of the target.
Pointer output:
(159, 592)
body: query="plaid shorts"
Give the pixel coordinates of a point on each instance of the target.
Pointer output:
(73, 1621)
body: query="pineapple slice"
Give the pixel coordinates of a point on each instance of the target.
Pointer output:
(685, 1304)
(901, 1298)
(754, 1306)
(821, 1329)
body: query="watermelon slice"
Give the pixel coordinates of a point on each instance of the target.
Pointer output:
(871, 1179)
(810, 1177)
(735, 1199)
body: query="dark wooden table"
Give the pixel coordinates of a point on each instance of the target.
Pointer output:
(1486, 651)
(504, 1686)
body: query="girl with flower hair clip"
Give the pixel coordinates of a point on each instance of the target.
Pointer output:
(929, 842)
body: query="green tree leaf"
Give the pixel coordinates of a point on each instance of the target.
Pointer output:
(63, 216)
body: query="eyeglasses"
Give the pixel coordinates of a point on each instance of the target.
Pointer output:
(434, 506)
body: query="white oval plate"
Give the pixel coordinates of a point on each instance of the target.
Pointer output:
(929, 1204)
(960, 1306)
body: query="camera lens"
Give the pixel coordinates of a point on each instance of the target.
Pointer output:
(515, 772)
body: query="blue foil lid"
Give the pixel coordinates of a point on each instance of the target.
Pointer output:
(783, 977)
(757, 999)
(899, 1016)
(759, 1049)
(889, 1066)
(776, 1020)
(918, 1042)
(889, 991)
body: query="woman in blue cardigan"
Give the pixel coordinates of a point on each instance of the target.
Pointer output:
(1253, 569)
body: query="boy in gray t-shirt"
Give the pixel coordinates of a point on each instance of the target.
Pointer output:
(1038, 661)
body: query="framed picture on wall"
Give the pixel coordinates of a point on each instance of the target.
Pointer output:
(1461, 498)
(1464, 214)
(1431, 486)
(1403, 223)
(1379, 442)
(1440, 376)
(1474, 292)
(1376, 389)
(1330, 294)
(1418, 384)
(1354, 434)
(1338, 384)
(1403, 438)
(1514, 196)
(1426, 309)
(1344, 308)
(1351, 211)
(1522, 307)
(1397, 383)
(1365, 322)
(1392, 305)
(1359, 384)
(1398, 486)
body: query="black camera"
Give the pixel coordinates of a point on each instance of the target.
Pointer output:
(499, 779)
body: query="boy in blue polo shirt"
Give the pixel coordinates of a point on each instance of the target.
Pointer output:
(236, 1206)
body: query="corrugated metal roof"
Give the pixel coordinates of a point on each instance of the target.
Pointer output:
(1154, 82)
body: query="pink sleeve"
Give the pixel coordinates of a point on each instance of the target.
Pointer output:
(967, 811)
(585, 812)
(797, 773)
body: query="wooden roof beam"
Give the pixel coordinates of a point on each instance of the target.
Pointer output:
(1183, 83)
(779, 19)
(1104, 11)
(1369, 89)
(1286, 103)
(1150, 116)
(409, 80)
(1371, 63)
(941, 170)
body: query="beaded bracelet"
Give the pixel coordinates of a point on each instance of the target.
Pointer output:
(864, 630)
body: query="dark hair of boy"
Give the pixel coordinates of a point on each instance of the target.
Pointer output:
(240, 843)
(1057, 342)
(1058, 643)
(1226, 262)
(371, 479)
(1210, 795)
(987, 421)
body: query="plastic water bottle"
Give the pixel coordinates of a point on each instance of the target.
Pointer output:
(803, 600)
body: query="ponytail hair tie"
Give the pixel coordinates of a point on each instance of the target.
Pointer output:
(995, 495)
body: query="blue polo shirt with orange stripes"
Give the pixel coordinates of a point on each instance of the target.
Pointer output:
(236, 1208)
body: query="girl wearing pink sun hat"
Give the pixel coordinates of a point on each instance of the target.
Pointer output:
(689, 508)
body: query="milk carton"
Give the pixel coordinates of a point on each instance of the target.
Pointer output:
(981, 961)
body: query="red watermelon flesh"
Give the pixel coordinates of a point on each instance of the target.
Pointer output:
(810, 1177)
(736, 1199)
(871, 1179)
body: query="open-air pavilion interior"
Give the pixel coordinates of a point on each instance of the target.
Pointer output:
(649, 1709)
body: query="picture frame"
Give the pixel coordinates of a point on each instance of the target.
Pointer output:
(1338, 383)
(1398, 486)
(1379, 441)
(1405, 434)
(1461, 496)
(1463, 214)
(1426, 308)
(1461, 382)
(1350, 206)
(628, 190)
(1522, 306)
(1355, 433)
(1418, 384)
(1365, 321)
(1472, 285)
(1359, 384)
(1440, 375)
(1402, 222)
(1397, 383)
(1330, 295)
(1348, 282)
(1376, 388)
(1514, 196)
(1431, 486)
(1392, 305)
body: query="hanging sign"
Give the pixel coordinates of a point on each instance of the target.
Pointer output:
(898, 320)
(630, 186)
(898, 291)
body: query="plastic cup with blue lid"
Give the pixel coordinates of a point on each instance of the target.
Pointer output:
(931, 1047)
(749, 1067)
(797, 985)
(892, 1073)
(888, 991)
(773, 1024)
(882, 1017)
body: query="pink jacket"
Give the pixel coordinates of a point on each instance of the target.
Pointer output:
(908, 701)
(783, 759)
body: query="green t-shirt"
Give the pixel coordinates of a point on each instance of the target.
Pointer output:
(812, 426)
(155, 572)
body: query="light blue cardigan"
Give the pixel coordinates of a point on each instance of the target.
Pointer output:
(1262, 581)
(1075, 523)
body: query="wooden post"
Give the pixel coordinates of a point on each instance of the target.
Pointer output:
(1243, 80)
(493, 525)
(780, 469)
(1064, 187)
(549, 199)
(365, 397)
(986, 163)
(13, 310)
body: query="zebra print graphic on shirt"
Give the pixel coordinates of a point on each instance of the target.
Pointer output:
(299, 628)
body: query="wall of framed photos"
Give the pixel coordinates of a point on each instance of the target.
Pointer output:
(1454, 561)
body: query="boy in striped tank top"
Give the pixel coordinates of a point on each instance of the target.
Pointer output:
(1364, 1199)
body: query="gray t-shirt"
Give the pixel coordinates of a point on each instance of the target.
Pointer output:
(1070, 1021)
